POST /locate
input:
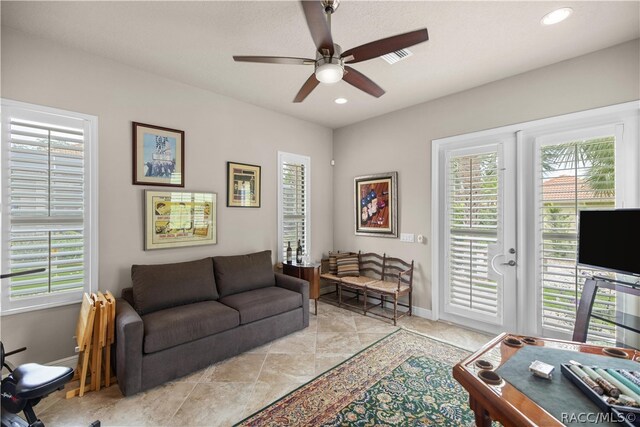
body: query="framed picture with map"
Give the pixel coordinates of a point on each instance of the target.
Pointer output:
(179, 218)
(158, 156)
(243, 185)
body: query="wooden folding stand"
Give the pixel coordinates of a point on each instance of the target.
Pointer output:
(99, 333)
(110, 338)
(84, 333)
(95, 334)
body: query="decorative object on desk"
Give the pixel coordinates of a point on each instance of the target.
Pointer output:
(289, 253)
(612, 390)
(541, 369)
(529, 340)
(179, 218)
(158, 156)
(376, 205)
(403, 379)
(299, 253)
(243, 185)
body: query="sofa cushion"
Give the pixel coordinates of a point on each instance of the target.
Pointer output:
(156, 287)
(261, 303)
(177, 325)
(348, 266)
(241, 273)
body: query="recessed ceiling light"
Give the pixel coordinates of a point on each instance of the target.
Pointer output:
(556, 16)
(340, 100)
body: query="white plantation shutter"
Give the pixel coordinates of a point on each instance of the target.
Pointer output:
(46, 206)
(293, 203)
(473, 218)
(573, 176)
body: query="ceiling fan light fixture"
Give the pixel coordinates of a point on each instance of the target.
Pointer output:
(556, 16)
(329, 73)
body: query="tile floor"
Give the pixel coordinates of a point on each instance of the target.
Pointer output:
(229, 391)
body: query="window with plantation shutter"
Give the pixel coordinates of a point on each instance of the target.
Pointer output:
(473, 219)
(573, 175)
(47, 205)
(293, 203)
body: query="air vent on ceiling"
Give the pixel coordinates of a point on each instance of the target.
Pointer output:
(396, 56)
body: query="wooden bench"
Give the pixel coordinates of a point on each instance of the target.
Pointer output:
(381, 278)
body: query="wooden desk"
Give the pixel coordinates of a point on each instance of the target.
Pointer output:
(505, 403)
(309, 272)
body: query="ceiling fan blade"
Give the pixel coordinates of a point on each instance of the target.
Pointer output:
(274, 60)
(384, 46)
(362, 82)
(306, 88)
(318, 26)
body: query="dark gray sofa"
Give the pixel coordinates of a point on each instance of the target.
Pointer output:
(178, 318)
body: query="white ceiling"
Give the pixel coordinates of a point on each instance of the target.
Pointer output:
(471, 43)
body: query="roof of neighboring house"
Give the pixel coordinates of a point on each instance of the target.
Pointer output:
(564, 188)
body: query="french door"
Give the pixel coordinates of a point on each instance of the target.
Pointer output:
(505, 219)
(479, 233)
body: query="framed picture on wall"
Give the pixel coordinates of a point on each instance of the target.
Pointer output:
(158, 156)
(376, 205)
(178, 218)
(243, 185)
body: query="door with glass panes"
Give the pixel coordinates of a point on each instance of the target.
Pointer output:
(573, 171)
(479, 262)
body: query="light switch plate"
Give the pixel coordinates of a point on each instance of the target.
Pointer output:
(406, 237)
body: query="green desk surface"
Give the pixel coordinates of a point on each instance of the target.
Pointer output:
(559, 395)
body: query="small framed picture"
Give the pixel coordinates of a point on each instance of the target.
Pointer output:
(179, 218)
(158, 156)
(376, 205)
(243, 185)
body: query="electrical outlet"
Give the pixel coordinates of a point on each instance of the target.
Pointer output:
(406, 237)
(76, 349)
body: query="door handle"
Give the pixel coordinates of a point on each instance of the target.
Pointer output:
(511, 263)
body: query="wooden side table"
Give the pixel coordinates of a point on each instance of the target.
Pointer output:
(309, 272)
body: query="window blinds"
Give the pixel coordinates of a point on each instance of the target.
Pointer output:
(294, 206)
(46, 204)
(473, 228)
(573, 176)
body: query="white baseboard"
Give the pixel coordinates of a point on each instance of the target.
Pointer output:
(69, 362)
(423, 312)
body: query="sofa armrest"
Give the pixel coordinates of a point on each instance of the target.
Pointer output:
(129, 338)
(296, 285)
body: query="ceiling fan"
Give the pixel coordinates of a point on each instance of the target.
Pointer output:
(330, 60)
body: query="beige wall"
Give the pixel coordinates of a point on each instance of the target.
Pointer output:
(401, 141)
(218, 129)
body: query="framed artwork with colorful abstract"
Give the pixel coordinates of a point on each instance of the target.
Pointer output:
(376, 205)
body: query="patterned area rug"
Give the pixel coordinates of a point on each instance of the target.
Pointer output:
(402, 380)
